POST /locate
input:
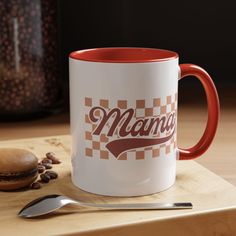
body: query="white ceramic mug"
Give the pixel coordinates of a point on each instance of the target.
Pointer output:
(123, 106)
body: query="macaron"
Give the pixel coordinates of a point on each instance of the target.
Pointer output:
(18, 168)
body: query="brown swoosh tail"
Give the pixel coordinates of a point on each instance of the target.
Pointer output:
(119, 146)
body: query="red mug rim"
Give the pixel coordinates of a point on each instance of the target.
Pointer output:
(123, 55)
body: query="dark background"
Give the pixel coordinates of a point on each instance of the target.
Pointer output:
(202, 32)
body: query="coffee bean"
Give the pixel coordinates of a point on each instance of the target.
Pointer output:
(52, 174)
(47, 165)
(36, 185)
(52, 156)
(45, 178)
(56, 161)
(41, 168)
(46, 160)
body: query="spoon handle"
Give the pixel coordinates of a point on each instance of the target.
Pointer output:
(140, 206)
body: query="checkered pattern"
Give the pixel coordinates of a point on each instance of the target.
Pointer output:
(95, 144)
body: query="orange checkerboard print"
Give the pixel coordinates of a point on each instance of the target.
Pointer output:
(95, 144)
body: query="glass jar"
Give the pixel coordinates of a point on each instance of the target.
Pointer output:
(29, 58)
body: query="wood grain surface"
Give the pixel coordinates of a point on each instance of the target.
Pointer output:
(213, 198)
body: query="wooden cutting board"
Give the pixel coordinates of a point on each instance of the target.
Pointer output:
(214, 201)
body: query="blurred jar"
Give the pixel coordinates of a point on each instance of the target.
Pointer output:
(29, 58)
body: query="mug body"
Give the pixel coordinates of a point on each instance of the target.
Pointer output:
(123, 110)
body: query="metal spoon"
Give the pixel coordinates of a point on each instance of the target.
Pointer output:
(49, 203)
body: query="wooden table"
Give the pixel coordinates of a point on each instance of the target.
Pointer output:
(214, 198)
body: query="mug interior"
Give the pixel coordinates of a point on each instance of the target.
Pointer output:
(124, 55)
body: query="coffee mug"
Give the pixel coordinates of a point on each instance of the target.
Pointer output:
(123, 107)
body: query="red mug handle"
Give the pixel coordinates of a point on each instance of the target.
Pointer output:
(213, 111)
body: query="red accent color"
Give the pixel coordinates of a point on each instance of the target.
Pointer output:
(213, 111)
(124, 55)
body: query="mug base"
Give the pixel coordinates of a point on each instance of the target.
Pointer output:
(142, 192)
